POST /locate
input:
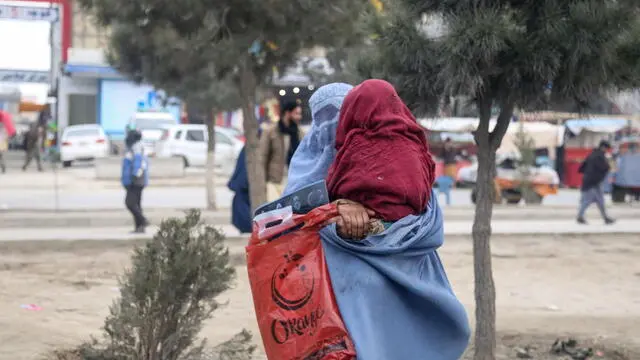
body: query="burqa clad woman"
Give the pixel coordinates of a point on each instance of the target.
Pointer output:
(241, 204)
(390, 285)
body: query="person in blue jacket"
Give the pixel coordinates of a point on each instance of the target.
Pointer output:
(134, 178)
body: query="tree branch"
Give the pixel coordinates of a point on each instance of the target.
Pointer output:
(482, 134)
(502, 124)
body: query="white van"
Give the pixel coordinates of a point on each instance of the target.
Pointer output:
(151, 125)
(189, 142)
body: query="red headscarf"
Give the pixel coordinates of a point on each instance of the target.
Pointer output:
(383, 160)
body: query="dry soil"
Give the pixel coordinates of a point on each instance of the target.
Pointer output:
(547, 287)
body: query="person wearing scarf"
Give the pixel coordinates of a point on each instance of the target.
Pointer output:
(383, 160)
(314, 155)
(391, 287)
(278, 144)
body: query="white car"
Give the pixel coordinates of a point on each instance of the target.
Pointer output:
(189, 141)
(151, 125)
(83, 143)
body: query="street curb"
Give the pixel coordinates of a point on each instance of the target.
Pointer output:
(95, 219)
(95, 222)
(121, 210)
(499, 210)
(235, 241)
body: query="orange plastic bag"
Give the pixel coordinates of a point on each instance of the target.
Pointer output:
(295, 305)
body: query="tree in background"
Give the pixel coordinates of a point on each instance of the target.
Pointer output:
(526, 146)
(503, 54)
(172, 63)
(247, 40)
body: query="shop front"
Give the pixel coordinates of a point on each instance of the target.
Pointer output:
(91, 92)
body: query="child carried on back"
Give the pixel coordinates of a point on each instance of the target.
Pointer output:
(382, 162)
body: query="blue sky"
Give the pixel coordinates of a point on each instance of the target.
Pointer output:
(25, 45)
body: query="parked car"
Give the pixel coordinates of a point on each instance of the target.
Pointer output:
(189, 142)
(83, 143)
(151, 125)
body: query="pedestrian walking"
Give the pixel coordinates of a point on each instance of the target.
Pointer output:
(7, 131)
(241, 204)
(373, 152)
(278, 143)
(449, 157)
(33, 142)
(594, 170)
(4, 146)
(134, 178)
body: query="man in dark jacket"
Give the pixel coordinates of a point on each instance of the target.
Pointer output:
(278, 143)
(33, 141)
(594, 171)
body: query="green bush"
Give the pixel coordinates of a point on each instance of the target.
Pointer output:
(166, 296)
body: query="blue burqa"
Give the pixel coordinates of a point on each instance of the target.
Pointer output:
(241, 205)
(391, 288)
(314, 155)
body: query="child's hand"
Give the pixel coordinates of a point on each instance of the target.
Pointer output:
(353, 222)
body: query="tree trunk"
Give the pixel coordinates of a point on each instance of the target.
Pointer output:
(210, 173)
(485, 291)
(255, 170)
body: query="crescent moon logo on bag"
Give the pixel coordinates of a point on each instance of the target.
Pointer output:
(302, 291)
(293, 297)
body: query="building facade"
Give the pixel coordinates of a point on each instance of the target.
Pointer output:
(89, 90)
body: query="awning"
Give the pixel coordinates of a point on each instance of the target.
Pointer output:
(453, 124)
(94, 71)
(597, 125)
(27, 106)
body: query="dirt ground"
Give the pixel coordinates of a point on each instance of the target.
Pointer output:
(586, 288)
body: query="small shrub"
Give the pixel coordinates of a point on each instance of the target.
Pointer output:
(166, 296)
(526, 146)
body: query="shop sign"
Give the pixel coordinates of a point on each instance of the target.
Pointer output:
(28, 13)
(24, 76)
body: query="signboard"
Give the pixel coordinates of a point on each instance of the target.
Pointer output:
(32, 13)
(24, 76)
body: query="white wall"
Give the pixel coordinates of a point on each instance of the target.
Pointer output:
(73, 85)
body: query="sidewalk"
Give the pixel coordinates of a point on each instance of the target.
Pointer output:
(84, 178)
(98, 219)
(453, 229)
(120, 218)
(95, 234)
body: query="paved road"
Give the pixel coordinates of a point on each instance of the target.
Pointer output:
(169, 197)
(70, 198)
(79, 190)
(164, 197)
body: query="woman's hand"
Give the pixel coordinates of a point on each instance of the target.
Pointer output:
(353, 222)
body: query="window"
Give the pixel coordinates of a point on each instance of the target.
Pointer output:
(143, 123)
(82, 132)
(223, 139)
(82, 109)
(195, 135)
(178, 135)
(85, 33)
